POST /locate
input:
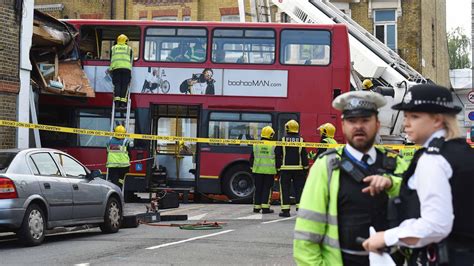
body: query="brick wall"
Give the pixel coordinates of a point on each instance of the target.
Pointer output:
(7, 112)
(9, 71)
(83, 8)
(414, 35)
(433, 41)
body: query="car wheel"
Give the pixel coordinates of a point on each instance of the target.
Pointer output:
(33, 227)
(238, 183)
(112, 217)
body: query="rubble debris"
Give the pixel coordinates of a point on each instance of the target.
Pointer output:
(56, 67)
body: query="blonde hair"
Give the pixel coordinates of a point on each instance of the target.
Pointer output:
(451, 125)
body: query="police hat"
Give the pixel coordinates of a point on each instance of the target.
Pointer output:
(428, 98)
(358, 103)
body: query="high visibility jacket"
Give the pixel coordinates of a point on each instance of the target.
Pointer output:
(117, 153)
(407, 153)
(264, 159)
(292, 158)
(313, 155)
(330, 140)
(316, 239)
(121, 57)
(198, 54)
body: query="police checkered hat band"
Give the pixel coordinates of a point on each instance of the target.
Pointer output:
(359, 103)
(428, 98)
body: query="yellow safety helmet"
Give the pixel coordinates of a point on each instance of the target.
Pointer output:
(267, 132)
(120, 129)
(367, 84)
(122, 39)
(327, 129)
(292, 126)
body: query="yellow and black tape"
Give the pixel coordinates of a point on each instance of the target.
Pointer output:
(102, 133)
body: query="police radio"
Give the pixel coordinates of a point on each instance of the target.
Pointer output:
(352, 170)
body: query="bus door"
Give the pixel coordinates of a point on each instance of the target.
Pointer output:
(176, 160)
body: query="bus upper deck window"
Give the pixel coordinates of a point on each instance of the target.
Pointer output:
(243, 46)
(305, 47)
(166, 44)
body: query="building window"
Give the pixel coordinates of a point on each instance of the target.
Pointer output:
(230, 18)
(385, 27)
(186, 18)
(167, 18)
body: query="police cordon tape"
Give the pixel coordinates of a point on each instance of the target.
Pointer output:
(101, 133)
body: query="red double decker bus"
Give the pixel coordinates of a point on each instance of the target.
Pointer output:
(203, 79)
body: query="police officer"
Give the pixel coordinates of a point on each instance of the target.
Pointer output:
(436, 194)
(121, 69)
(118, 160)
(264, 168)
(294, 165)
(336, 207)
(327, 132)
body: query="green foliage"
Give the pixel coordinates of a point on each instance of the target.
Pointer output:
(459, 46)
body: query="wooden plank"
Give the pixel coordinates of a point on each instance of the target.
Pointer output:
(75, 80)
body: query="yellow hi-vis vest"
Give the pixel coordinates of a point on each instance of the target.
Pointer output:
(121, 57)
(264, 159)
(117, 155)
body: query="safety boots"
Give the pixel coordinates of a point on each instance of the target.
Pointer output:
(267, 210)
(284, 213)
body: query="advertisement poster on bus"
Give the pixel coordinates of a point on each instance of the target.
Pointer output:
(196, 81)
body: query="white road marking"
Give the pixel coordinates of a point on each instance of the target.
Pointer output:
(257, 216)
(279, 220)
(189, 239)
(197, 217)
(82, 264)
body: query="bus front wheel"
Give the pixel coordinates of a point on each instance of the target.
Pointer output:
(238, 183)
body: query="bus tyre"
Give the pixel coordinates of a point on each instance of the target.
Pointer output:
(112, 217)
(238, 183)
(33, 227)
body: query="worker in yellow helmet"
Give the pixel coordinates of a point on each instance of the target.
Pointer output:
(327, 132)
(121, 69)
(264, 169)
(294, 167)
(118, 159)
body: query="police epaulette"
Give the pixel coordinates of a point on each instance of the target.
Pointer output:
(327, 152)
(435, 145)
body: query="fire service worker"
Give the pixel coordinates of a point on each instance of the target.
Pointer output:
(436, 198)
(264, 169)
(121, 69)
(327, 132)
(118, 160)
(294, 166)
(335, 207)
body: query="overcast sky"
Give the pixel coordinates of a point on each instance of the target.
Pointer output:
(458, 14)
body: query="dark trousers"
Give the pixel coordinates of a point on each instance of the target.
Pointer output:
(115, 174)
(298, 178)
(263, 186)
(121, 78)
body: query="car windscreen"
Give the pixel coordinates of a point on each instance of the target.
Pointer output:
(5, 159)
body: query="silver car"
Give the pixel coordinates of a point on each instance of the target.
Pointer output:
(45, 188)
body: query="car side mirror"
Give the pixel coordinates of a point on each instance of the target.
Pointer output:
(94, 174)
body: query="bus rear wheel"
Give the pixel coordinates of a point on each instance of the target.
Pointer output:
(238, 183)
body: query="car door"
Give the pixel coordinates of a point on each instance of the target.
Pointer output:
(55, 188)
(88, 196)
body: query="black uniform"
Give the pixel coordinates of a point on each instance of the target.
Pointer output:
(459, 246)
(294, 167)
